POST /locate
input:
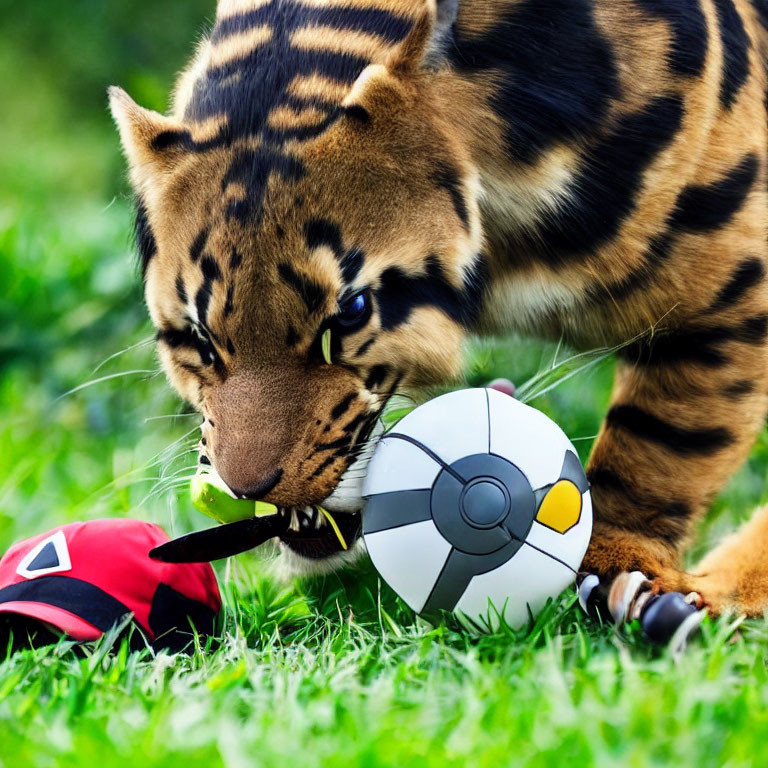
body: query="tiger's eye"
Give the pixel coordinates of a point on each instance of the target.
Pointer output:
(354, 310)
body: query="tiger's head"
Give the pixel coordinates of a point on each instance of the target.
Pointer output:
(309, 233)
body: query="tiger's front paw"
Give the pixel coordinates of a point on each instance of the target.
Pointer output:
(665, 617)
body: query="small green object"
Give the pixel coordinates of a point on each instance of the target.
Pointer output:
(325, 343)
(210, 497)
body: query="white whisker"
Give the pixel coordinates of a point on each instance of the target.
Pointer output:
(102, 379)
(178, 472)
(143, 343)
(164, 488)
(170, 416)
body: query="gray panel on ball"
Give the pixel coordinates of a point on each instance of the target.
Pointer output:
(395, 509)
(479, 465)
(573, 471)
(450, 585)
(540, 493)
(459, 569)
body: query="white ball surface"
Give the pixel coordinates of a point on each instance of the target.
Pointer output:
(478, 504)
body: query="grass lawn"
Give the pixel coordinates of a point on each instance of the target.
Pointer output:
(332, 673)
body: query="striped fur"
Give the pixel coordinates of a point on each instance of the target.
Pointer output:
(586, 169)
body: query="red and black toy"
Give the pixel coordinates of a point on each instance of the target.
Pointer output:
(83, 578)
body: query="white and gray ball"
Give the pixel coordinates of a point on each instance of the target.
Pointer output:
(478, 504)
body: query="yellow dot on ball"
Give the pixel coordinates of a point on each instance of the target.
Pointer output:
(561, 508)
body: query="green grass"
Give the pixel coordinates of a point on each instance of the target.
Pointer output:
(328, 683)
(332, 673)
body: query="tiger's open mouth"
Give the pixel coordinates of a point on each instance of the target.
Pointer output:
(315, 534)
(315, 538)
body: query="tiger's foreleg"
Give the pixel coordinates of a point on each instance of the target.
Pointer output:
(685, 411)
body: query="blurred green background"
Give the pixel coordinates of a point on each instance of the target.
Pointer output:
(71, 310)
(70, 295)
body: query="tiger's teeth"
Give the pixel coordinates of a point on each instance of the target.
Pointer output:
(294, 526)
(319, 519)
(305, 517)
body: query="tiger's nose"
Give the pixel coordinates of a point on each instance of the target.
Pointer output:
(260, 489)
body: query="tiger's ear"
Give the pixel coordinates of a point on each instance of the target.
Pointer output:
(425, 43)
(421, 48)
(411, 54)
(152, 143)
